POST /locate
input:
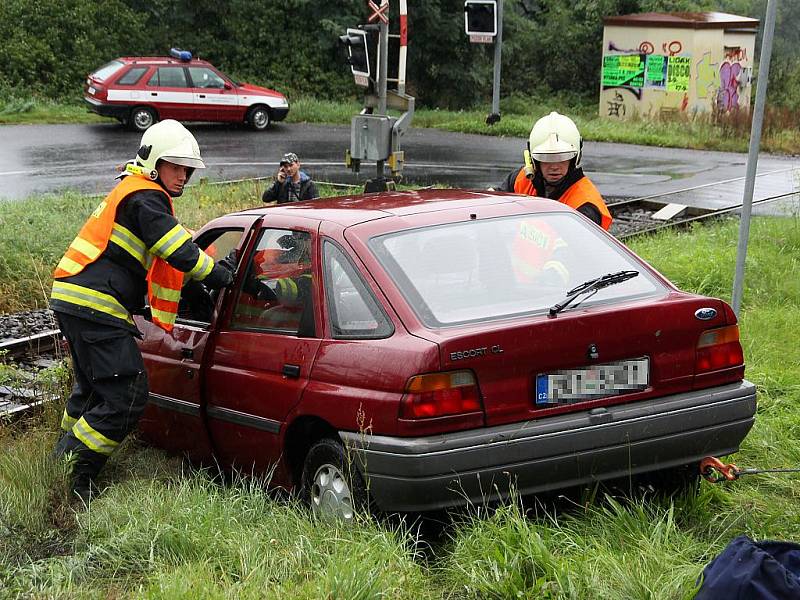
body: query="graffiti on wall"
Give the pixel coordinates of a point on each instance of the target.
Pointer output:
(707, 78)
(733, 78)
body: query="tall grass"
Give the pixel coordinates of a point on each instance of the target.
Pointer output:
(162, 530)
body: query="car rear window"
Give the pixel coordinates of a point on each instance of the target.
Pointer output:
(108, 70)
(494, 268)
(132, 76)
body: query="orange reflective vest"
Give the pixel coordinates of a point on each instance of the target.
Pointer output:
(579, 193)
(164, 282)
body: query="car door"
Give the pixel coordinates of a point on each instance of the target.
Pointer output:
(169, 91)
(173, 418)
(266, 345)
(213, 95)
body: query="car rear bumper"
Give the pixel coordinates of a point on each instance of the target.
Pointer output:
(426, 473)
(106, 110)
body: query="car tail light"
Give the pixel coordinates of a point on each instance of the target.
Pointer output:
(440, 394)
(719, 349)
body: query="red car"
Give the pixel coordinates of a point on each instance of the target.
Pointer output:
(138, 91)
(426, 349)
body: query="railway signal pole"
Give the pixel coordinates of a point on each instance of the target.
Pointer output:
(483, 23)
(752, 156)
(374, 135)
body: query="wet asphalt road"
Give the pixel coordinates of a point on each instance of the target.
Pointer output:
(38, 159)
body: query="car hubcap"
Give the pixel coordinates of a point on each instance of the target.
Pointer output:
(143, 119)
(260, 118)
(330, 494)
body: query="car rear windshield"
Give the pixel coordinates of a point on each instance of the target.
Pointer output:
(494, 268)
(108, 70)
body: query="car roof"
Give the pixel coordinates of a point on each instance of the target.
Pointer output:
(351, 210)
(161, 60)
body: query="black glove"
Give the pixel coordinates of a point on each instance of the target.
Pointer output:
(221, 276)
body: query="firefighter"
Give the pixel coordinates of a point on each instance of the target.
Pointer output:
(130, 247)
(552, 169)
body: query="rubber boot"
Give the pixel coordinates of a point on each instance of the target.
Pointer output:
(84, 475)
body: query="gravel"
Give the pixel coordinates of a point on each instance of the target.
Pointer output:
(22, 324)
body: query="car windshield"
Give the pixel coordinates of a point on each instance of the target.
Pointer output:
(108, 70)
(494, 268)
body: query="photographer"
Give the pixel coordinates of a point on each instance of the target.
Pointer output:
(291, 184)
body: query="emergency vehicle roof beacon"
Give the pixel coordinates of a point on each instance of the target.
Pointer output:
(555, 138)
(170, 141)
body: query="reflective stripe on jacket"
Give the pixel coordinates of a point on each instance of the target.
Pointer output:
(579, 193)
(164, 282)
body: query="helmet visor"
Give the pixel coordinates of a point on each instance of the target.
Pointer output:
(185, 161)
(551, 157)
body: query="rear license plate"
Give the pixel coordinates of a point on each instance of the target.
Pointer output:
(92, 91)
(590, 383)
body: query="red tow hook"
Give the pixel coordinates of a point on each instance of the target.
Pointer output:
(714, 470)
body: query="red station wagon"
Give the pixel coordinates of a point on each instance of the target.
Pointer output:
(446, 344)
(138, 91)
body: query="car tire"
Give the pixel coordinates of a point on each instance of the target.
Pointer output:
(259, 118)
(142, 118)
(331, 483)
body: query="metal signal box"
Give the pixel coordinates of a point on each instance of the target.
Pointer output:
(371, 137)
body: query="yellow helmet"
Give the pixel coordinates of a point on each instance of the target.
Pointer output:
(170, 141)
(555, 138)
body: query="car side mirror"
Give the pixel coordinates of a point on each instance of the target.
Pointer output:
(228, 86)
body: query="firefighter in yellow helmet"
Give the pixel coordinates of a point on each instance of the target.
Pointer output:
(130, 247)
(553, 169)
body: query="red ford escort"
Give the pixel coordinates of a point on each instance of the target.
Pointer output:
(420, 350)
(138, 91)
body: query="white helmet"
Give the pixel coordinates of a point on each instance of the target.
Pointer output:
(170, 141)
(555, 138)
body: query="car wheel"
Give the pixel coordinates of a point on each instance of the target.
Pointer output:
(331, 484)
(258, 117)
(142, 118)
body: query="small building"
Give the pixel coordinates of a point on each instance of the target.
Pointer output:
(663, 64)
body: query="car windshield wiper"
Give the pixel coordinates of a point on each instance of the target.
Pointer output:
(591, 287)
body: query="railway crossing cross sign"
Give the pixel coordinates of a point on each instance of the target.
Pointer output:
(379, 12)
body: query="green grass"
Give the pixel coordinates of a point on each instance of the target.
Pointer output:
(162, 530)
(782, 134)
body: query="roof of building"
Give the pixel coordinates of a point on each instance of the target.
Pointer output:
(685, 20)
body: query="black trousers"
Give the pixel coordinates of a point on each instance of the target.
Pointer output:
(109, 393)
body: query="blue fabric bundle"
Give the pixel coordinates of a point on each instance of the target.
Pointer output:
(748, 570)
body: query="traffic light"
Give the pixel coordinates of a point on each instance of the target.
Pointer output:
(480, 17)
(357, 55)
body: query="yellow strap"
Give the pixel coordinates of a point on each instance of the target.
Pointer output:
(92, 438)
(86, 248)
(69, 265)
(82, 296)
(67, 422)
(170, 242)
(202, 267)
(165, 293)
(163, 315)
(129, 242)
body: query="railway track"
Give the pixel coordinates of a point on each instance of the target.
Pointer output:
(29, 354)
(633, 217)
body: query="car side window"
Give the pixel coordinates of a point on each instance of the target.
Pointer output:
(197, 303)
(277, 291)
(203, 77)
(169, 77)
(132, 76)
(353, 310)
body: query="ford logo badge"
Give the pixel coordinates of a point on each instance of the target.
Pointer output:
(705, 314)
